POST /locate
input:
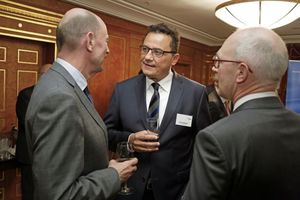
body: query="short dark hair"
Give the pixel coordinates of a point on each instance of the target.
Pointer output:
(165, 29)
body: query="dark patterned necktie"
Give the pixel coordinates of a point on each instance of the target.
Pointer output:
(153, 111)
(87, 94)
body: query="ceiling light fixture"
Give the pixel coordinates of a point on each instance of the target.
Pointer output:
(266, 13)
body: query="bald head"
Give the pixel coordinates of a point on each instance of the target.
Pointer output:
(74, 24)
(263, 50)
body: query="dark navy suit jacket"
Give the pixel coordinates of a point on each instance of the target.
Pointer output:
(170, 166)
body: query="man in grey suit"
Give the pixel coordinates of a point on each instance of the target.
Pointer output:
(21, 144)
(66, 137)
(164, 158)
(254, 153)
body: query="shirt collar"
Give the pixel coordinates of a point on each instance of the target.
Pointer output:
(165, 83)
(253, 96)
(75, 73)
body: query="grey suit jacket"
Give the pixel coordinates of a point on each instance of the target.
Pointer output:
(170, 165)
(252, 154)
(68, 142)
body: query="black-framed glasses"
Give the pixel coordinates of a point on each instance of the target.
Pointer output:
(216, 62)
(155, 51)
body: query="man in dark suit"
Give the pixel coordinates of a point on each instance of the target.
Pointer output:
(21, 144)
(164, 158)
(254, 153)
(67, 138)
(217, 108)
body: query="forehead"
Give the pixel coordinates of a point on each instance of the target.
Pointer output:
(228, 48)
(158, 40)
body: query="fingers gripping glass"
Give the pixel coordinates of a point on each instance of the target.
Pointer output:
(216, 62)
(154, 51)
(123, 154)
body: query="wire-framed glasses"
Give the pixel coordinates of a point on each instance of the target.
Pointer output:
(154, 51)
(216, 62)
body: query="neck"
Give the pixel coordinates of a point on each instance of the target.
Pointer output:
(79, 64)
(254, 88)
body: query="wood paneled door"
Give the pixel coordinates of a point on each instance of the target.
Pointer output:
(19, 63)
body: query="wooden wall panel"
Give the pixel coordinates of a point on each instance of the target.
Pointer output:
(26, 78)
(3, 54)
(2, 89)
(102, 84)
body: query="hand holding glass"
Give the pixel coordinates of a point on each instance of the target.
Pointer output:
(124, 154)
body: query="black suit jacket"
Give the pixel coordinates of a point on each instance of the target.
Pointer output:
(21, 108)
(22, 154)
(252, 154)
(170, 165)
(216, 106)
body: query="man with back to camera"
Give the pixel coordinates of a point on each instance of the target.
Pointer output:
(179, 106)
(254, 153)
(66, 136)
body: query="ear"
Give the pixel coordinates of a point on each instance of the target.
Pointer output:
(90, 41)
(175, 59)
(242, 73)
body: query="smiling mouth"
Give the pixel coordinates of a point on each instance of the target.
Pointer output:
(148, 65)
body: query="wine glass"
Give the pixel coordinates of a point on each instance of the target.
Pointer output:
(124, 154)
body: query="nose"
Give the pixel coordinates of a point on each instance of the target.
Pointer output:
(214, 69)
(107, 50)
(149, 55)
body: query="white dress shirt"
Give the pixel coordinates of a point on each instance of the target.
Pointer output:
(164, 92)
(75, 73)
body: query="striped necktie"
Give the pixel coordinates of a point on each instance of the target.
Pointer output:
(153, 111)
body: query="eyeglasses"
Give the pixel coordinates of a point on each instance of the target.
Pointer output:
(216, 62)
(155, 51)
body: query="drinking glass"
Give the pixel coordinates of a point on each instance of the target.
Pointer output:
(124, 154)
(152, 124)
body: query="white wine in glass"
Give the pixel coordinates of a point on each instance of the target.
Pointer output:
(124, 154)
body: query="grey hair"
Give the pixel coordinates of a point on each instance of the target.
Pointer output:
(70, 30)
(265, 52)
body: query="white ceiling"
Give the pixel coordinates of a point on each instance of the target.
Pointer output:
(194, 19)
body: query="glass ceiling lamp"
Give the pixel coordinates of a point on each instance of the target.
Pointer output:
(266, 13)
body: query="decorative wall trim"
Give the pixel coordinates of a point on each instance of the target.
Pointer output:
(23, 52)
(34, 15)
(24, 71)
(3, 71)
(4, 54)
(23, 21)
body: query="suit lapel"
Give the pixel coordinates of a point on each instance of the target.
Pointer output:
(84, 100)
(140, 93)
(174, 98)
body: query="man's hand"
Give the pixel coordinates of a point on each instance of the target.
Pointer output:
(144, 141)
(125, 169)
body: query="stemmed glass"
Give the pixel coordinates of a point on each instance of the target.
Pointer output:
(124, 154)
